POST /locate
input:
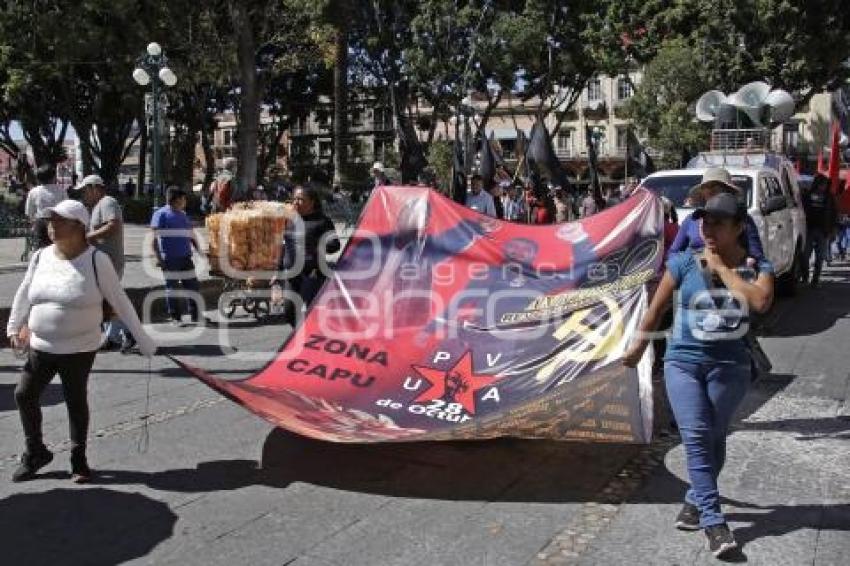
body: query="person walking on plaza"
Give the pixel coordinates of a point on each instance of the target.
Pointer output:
(222, 191)
(708, 365)
(564, 209)
(478, 199)
(41, 197)
(821, 222)
(56, 314)
(308, 237)
(588, 205)
(172, 244)
(513, 204)
(379, 176)
(496, 192)
(106, 233)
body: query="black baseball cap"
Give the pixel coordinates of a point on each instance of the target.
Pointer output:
(723, 205)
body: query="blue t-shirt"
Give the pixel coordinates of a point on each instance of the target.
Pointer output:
(710, 324)
(174, 245)
(689, 238)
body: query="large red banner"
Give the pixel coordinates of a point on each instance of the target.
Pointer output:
(440, 323)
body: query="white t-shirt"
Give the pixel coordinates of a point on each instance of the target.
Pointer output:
(62, 303)
(41, 197)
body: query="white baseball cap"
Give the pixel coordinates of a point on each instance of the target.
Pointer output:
(91, 181)
(70, 209)
(378, 166)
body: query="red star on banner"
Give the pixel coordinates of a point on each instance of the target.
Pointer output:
(455, 385)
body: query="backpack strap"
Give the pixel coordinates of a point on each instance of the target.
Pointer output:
(94, 267)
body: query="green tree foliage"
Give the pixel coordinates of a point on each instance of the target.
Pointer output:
(660, 106)
(798, 45)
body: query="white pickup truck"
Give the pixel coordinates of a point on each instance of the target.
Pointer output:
(769, 187)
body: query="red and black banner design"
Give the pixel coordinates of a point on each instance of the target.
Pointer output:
(440, 323)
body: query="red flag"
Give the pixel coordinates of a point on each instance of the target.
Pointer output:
(833, 159)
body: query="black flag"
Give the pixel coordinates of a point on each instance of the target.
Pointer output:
(542, 160)
(640, 163)
(458, 174)
(487, 165)
(595, 185)
(521, 152)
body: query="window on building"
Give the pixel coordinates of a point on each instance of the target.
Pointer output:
(622, 138)
(594, 90)
(325, 148)
(565, 142)
(228, 137)
(624, 88)
(323, 119)
(356, 118)
(382, 119)
(508, 148)
(791, 136)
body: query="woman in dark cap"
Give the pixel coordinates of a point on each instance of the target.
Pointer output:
(708, 362)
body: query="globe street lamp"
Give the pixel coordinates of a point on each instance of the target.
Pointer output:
(153, 70)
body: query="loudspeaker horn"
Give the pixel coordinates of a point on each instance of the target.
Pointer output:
(781, 105)
(709, 104)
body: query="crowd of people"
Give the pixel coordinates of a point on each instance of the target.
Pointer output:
(520, 202)
(71, 303)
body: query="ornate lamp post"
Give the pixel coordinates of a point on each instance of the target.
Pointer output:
(153, 70)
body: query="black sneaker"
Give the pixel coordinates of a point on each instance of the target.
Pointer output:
(688, 518)
(720, 540)
(32, 463)
(80, 471)
(127, 342)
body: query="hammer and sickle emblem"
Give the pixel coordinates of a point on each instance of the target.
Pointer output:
(601, 339)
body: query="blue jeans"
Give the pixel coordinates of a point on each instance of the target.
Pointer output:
(179, 271)
(703, 398)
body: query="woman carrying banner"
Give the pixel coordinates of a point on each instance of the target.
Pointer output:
(56, 314)
(307, 237)
(707, 365)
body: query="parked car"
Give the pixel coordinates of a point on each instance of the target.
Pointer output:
(775, 206)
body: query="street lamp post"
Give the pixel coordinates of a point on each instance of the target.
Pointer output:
(153, 69)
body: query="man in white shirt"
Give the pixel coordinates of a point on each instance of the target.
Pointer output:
(480, 200)
(41, 197)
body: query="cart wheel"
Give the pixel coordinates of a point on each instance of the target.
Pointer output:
(228, 309)
(262, 308)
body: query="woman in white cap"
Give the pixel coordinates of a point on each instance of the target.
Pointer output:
(56, 314)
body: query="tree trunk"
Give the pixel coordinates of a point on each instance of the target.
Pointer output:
(411, 150)
(340, 133)
(249, 101)
(209, 157)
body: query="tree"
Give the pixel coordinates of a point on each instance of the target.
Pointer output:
(97, 92)
(29, 81)
(779, 41)
(661, 104)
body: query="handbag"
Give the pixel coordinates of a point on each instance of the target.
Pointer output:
(761, 365)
